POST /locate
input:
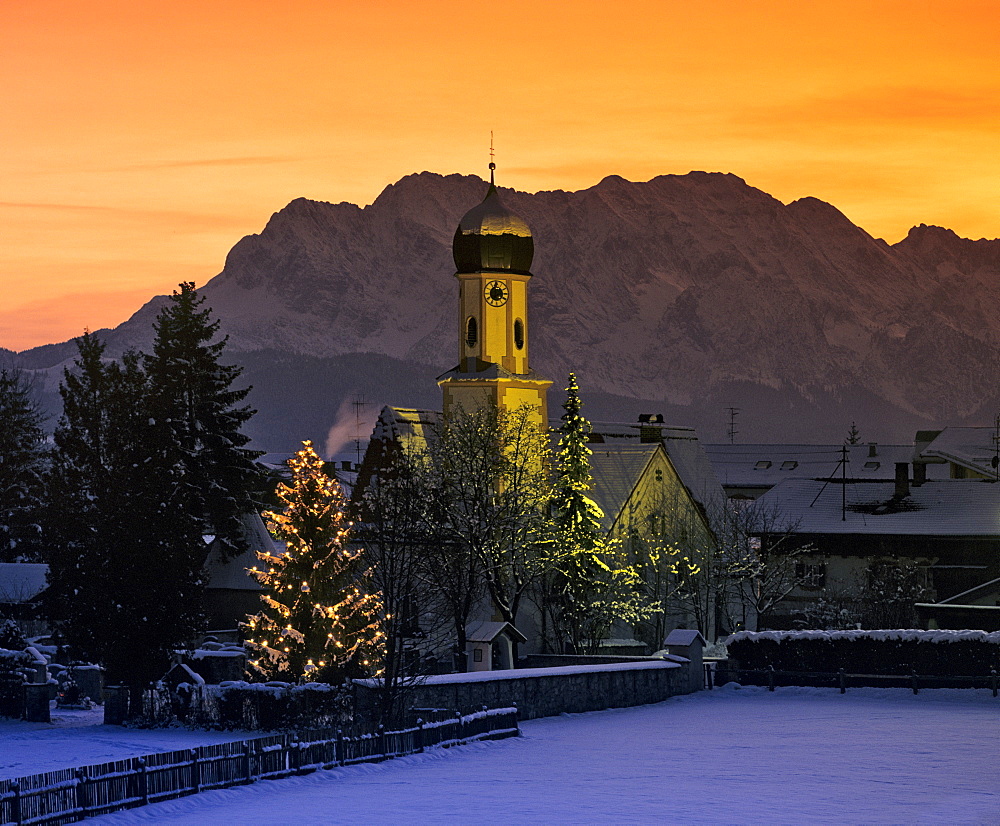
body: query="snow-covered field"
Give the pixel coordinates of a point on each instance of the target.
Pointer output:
(78, 738)
(735, 755)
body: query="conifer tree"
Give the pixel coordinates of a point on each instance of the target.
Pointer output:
(197, 417)
(320, 621)
(593, 585)
(125, 559)
(22, 458)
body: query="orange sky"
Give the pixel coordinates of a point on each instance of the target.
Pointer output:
(141, 140)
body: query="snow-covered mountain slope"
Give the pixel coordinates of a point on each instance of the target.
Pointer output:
(690, 293)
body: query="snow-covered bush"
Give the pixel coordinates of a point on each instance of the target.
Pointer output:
(239, 705)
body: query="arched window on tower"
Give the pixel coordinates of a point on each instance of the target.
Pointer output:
(471, 332)
(519, 334)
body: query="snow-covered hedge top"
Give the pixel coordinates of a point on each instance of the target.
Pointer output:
(901, 635)
(525, 673)
(15, 656)
(272, 687)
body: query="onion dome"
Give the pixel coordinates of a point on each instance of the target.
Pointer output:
(491, 238)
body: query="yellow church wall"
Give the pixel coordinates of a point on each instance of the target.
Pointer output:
(512, 398)
(660, 494)
(467, 398)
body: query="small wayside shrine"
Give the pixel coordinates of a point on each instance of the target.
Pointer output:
(493, 249)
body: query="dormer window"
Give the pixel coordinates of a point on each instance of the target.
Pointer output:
(763, 464)
(791, 464)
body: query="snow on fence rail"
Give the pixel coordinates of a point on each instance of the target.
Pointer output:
(73, 794)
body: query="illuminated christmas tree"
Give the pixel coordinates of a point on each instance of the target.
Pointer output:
(319, 621)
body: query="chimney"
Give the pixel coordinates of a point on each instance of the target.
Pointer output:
(872, 450)
(650, 428)
(919, 473)
(902, 480)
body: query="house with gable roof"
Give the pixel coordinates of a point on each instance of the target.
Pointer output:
(949, 529)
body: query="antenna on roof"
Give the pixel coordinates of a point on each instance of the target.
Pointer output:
(996, 447)
(732, 431)
(359, 402)
(492, 165)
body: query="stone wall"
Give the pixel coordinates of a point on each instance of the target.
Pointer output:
(542, 692)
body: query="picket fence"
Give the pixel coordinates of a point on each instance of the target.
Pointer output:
(73, 794)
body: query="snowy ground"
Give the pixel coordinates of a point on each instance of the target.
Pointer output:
(78, 738)
(727, 756)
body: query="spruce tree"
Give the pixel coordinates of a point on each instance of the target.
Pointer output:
(125, 559)
(22, 459)
(320, 621)
(593, 585)
(197, 416)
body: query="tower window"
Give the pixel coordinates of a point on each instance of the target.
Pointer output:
(471, 331)
(519, 334)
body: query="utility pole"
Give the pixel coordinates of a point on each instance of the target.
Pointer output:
(996, 447)
(733, 411)
(843, 478)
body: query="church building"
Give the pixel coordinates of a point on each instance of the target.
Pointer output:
(638, 471)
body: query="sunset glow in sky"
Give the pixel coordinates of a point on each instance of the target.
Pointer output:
(141, 140)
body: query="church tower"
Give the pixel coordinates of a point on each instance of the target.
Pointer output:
(493, 249)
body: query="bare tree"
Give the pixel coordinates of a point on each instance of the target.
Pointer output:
(397, 531)
(490, 485)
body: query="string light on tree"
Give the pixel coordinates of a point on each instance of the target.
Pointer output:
(322, 621)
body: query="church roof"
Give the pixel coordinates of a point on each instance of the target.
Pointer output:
(616, 468)
(492, 238)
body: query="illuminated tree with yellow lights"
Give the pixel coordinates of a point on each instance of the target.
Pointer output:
(594, 583)
(319, 621)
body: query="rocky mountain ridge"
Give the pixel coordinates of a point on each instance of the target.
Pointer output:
(686, 294)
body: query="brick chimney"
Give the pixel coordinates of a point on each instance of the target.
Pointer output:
(902, 480)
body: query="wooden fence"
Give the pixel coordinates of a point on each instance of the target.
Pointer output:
(841, 679)
(73, 794)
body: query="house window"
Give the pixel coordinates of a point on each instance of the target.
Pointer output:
(471, 332)
(789, 465)
(477, 655)
(763, 464)
(811, 574)
(519, 334)
(659, 475)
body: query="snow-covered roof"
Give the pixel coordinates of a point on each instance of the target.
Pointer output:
(406, 426)
(22, 581)
(958, 507)
(232, 575)
(616, 469)
(684, 637)
(766, 465)
(683, 448)
(971, 447)
(489, 631)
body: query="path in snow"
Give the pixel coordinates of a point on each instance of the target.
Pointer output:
(736, 755)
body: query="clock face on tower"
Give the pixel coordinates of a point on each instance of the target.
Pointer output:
(496, 293)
